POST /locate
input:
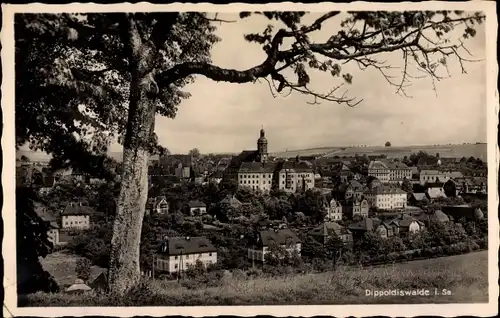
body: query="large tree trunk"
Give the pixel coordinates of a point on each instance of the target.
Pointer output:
(124, 270)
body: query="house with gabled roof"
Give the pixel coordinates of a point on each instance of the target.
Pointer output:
(260, 244)
(404, 224)
(322, 233)
(76, 215)
(387, 197)
(333, 210)
(157, 205)
(197, 207)
(348, 189)
(437, 216)
(176, 254)
(434, 190)
(417, 198)
(374, 225)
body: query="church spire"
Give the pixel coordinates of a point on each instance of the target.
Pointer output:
(262, 145)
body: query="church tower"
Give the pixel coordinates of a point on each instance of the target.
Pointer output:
(262, 146)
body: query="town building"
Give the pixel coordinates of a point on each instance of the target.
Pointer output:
(417, 198)
(231, 201)
(389, 171)
(254, 170)
(437, 216)
(355, 206)
(260, 155)
(157, 205)
(197, 208)
(256, 175)
(434, 190)
(177, 254)
(53, 233)
(405, 224)
(333, 210)
(471, 185)
(76, 216)
(295, 176)
(374, 225)
(325, 231)
(344, 172)
(386, 197)
(282, 237)
(348, 190)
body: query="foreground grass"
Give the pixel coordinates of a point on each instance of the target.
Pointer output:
(466, 276)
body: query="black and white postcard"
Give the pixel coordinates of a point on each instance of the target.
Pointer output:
(279, 159)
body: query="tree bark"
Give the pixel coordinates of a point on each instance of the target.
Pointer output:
(124, 267)
(124, 270)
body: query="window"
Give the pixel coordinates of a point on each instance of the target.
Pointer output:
(176, 266)
(176, 257)
(209, 254)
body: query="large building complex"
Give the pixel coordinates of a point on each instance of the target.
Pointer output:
(389, 171)
(253, 169)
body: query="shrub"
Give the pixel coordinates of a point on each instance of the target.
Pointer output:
(83, 269)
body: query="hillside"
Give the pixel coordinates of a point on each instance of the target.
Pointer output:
(455, 151)
(466, 276)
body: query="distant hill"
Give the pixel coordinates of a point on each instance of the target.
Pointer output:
(478, 150)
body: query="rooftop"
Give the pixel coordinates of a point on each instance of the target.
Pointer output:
(77, 209)
(257, 167)
(187, 245)
(280, 237)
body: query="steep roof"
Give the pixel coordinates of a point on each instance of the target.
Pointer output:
(425, 172)
(187, 245)
(418, 196)
(367, 224)
(356, 185)
(280, 237)
(257, 167)
(196, 204)
(295, 166)
(385, 189)
(387, 164)
(404, 221)
(328, 229)
(231, 201)
(436, 216)
(77, 209)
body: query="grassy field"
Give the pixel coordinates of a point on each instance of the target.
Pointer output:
(465, 276)
(62, 266)
(446, 151)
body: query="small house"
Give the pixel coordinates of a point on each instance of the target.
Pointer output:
(404, 224)
(197, 208)
(285, 238)
(325, 231)
(374, 225)
(177, 254)
(76, 216)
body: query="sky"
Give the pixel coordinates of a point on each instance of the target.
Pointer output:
(225, 117)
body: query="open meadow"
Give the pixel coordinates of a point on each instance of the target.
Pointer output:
(445, 151)
(464, 276)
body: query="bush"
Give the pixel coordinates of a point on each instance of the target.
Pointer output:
(83, 269)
